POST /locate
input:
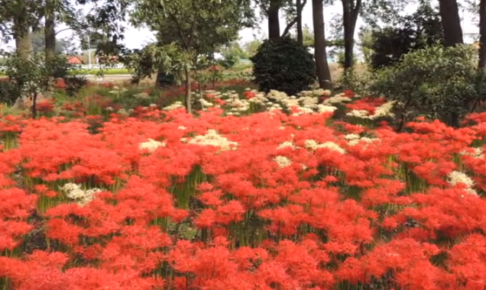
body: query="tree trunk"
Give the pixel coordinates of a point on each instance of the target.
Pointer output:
(23, 36)
(23, 43)
(50, 32)
(34, 105)
(188, 91)
(482, 33)
(451, 22)
(50, 39)
(300, 34)
(323, 73)
(350, 17)
(273, 20)
(158, 78)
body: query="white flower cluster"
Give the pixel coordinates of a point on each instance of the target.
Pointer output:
(174, 106)
(142, 96)
(325, 108)
(456, 177)
(151, 145)
(286, 144)
(259, 98)
(306, 103)
(116, 90)
(314, 145)
(316, 93)
(477, 153)
(384, 110)
(212, 138)
(276, 95)
(274, 107)
(205, 104)
(123, 112)
(80, 196)
(302, 111)
(354, 139)
(337, 99)
(381, 111)
(282, 161)
(236, 104)
(358, 113)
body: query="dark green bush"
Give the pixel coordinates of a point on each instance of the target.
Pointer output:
(436, 82)
(409, 33)
(283, 65)
(8, 92)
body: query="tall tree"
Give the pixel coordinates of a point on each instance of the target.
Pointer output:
(50, 29)
(293, 12)
(405, 34)
(482, 33)
(105, 25)
(63, 46)
(351, 10)
(17, 20)
(196, 26)
(300, 34)
(322, 66)
(451, 22)
(273, 13)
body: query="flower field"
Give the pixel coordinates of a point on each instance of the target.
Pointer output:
(256, 192)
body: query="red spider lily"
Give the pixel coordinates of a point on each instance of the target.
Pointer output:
(249, 94)
(188, 215)
(349, 93)
(46, 106)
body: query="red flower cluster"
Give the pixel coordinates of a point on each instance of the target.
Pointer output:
(291, 204)
(45, 106)
(249, 94)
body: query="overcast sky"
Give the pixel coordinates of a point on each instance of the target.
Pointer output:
(137, 38)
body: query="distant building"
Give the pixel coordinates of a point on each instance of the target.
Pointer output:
(74, 60)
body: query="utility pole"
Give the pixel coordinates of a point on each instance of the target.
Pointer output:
(89, 53)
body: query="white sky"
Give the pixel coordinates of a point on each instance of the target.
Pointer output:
(137, 38)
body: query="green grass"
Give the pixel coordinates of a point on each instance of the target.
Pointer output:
(108, 71)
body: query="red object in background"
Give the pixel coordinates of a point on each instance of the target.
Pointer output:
(60, 84)
(108, 85)
(45, 106)
(215, 68)
(366, 104)
(74, 60)
(249, 94)
(349, 93)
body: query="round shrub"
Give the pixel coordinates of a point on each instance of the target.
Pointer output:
(436, 82)
(283, 65)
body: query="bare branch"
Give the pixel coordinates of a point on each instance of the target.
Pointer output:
(289, 26)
